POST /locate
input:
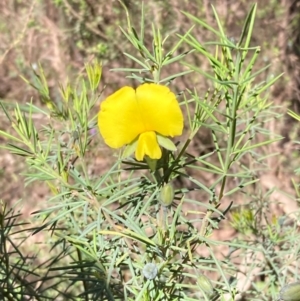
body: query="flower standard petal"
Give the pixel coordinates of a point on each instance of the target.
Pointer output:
(147, 145)
(119, 119)
(159, 109)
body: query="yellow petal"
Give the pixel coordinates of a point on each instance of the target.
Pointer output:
(147, 145)
(119, 119)
(128, 113)
(159, 109)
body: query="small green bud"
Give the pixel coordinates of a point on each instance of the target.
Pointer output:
(205, 285)
(166, 195)
(290, 292)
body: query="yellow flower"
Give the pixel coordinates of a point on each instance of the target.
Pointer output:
(145, 115)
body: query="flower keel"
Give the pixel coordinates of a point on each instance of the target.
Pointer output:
(147, 145)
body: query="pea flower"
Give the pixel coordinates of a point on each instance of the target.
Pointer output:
(142, 119)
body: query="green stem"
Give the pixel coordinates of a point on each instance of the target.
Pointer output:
(85, 286)
(230, 143)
